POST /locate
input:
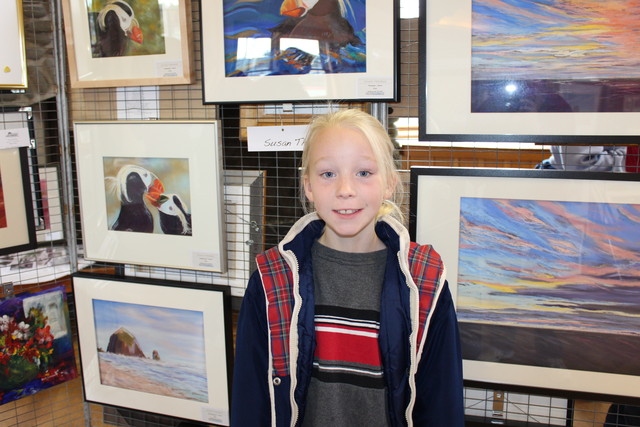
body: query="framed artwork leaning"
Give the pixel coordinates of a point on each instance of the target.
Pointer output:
(37, 343)
(13, 58)
(114, 43)
(543, 266)
(17, 226)
(156, 346)
(506, 74)
(272, 51)
(151, 193)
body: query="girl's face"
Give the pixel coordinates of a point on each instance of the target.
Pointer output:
(345, 184)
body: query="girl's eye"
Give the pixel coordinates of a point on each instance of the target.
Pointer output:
(327, 174)
(364, 174)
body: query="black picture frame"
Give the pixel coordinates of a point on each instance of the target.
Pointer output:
(192, 382)
(267, 83)
(17, 232)
(447, 91)
(477, 219)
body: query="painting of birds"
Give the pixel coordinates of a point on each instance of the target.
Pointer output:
(322, 20)
(133, 185)
(174, 215)
(303, 36)
(120, 28)
(116, 26)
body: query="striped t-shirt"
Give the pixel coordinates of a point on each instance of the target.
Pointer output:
(347, 385)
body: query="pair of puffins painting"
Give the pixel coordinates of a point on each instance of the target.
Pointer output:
(137, 200)
(125, 28)
(276, 37)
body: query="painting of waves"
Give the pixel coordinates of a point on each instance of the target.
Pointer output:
(553, 55)
(151, 349)
(550, 283)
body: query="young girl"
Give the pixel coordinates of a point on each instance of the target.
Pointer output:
(346, 322)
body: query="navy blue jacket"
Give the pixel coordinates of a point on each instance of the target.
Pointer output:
(423, 371)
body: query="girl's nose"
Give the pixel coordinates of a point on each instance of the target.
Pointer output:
(345, 187)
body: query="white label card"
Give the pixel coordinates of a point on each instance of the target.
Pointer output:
(14, 138)
(276, 138)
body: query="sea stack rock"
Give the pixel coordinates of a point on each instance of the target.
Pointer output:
(123, 342)
(155, 355)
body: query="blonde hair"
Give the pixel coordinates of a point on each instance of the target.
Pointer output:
(381, 146)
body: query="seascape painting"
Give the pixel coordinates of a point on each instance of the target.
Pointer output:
(276, 37)
(555, 56)
(125, 28)
(148, 195)
(151, 349)
(36, 347)
(550, 283)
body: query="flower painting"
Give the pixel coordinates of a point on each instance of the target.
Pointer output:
(36, 348)
(125, 28)
(276, 37)
(151, 349)
(555, 56)
(148, 195)
(550, 283)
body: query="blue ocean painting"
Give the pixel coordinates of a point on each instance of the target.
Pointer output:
(553, 56)
(571, 266)
(554, 39)
(170, 346)
(265, 38)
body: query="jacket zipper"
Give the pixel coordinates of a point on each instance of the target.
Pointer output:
(293, 361)
(412, 337)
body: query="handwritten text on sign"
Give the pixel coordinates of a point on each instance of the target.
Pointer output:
(276, 138)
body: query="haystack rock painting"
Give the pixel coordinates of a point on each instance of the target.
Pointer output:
(151, 349)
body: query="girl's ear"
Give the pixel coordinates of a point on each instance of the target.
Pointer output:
(307, 188)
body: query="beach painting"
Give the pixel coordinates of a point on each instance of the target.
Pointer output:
(151, 349)
(550, 283)
(555, 56)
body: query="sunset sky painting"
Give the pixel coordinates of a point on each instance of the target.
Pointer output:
(552, 39)
(571, 266)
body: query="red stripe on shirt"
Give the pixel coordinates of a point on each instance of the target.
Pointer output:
(345, 347)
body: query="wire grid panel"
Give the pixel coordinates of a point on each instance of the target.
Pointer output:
(499, 407)
(249, 230)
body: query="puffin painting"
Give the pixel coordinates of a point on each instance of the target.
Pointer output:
(174, 215)
(134, 184)
(322, 20)
(116, 27)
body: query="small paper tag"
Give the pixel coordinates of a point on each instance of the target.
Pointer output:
(371, 87)
(14, 138)
(205, 259)
(276, 138)
(215, 416)
(168, 68)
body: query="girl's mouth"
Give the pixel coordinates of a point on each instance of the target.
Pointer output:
(347, 211)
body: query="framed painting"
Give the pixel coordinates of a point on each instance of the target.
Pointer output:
(17, 226)
(13, 59)
(155, 346)
(151, 193)
(543, 268)
(51, 227)
(123, 43)
(37, 343)
(547, 72)
(270, 51)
